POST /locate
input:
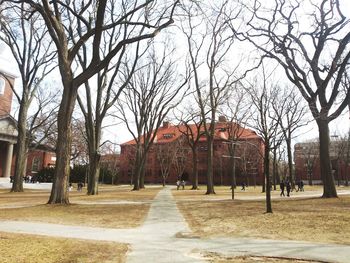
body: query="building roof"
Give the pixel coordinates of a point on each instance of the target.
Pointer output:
(169, 133)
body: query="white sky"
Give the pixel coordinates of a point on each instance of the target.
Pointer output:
(119, 134)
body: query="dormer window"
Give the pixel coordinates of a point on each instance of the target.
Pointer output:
(168, 135)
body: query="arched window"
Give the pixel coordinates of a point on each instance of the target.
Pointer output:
(35, 164)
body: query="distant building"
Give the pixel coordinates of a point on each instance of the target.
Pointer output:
(307, 161)
(37, 158)
(248, 157)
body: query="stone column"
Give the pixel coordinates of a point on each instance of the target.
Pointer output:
(8, 162)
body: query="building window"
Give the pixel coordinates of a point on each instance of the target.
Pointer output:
(2, 86)
(35, 164)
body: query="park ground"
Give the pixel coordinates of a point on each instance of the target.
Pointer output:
(302, 217)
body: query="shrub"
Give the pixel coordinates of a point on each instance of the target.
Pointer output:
(45, 175)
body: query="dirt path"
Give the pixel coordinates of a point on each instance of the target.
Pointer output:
(165, 237)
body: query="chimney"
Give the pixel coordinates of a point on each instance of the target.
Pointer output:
(166, 124)
(222, 118)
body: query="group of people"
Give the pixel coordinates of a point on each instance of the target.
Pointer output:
(180, 184)
(287, 185)
(79, 186)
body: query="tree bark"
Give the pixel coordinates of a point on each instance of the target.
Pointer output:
(290, 162)
(210, 183)
(138, 168)
(59, 191)
(233, 175)
(94, 173)
(274, 175)
(195, 170)
(21, 148)
(329, 189)
(267, 178)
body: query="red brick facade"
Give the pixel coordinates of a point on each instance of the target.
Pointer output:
(249, 162)
(307, 163)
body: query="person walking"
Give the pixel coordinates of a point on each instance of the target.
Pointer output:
(282, 188)
(288, 188)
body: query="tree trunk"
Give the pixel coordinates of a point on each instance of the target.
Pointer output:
(290, 162)
(329, 189)
(94, 173)
(210, 183)
(233, 176)
(274, 175)
(195, 170)
(143, 173)
(267, 178)
(137, 169)
(21, 149)
(59, 191)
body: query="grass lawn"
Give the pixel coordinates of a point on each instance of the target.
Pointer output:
(112, 215)
(312, 219)
(29, 249)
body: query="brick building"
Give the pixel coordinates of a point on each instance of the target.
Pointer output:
(307, 162)
(38, 158)
(248, 156)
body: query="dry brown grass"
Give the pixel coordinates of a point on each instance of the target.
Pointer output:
(316, 220)
(95, 214)
(224, 192)
(29, 249)
(113, 216)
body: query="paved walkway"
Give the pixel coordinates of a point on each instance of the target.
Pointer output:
(165, 237)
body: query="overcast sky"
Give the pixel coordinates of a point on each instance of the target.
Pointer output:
(119, 134)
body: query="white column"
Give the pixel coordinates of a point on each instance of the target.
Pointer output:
(8, 160)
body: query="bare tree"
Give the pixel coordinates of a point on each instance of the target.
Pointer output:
(214, 44)
(191, 128)
(290, 111)
(96, 20)
(338, 146)
(311, 155)
(315, 57)
(27, 39)
(151, 94)
(96, 102)
(165, 157)
(265, 123)
(236, 112)
(180, 156)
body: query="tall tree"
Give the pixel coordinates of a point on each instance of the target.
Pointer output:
(96, 20)
(165, 157)
(205, 29)
(235, 113)
(265, 123)
(313, 49)
(153, 91)
(28, 41)
(101, 93)
(291, 113)
(191, 128)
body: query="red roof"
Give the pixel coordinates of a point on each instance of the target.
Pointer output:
(169, 133)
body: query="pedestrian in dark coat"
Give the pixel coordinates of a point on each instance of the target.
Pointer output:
(282, 188)
(288, 188)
